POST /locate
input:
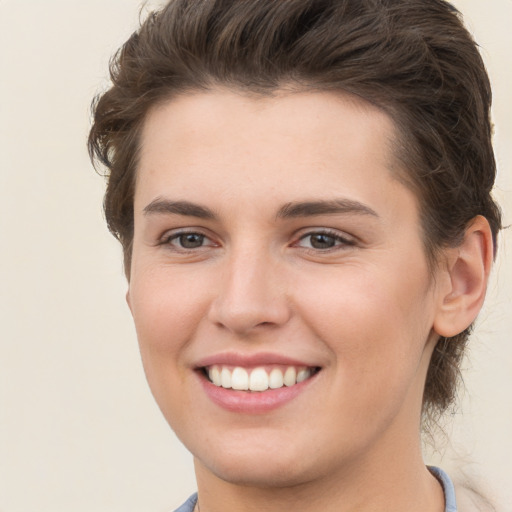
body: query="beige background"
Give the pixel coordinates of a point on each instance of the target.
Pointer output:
(78, 428)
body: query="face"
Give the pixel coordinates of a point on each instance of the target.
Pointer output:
(279, 285)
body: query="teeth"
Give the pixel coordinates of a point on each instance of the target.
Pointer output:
(240, 379)
(214, 375)
(303, 375)
(275, 379)
(290, 376)
(258, 379)
(225, 378)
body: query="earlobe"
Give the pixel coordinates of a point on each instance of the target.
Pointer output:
(467, 273)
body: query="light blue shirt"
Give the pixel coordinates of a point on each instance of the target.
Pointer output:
(449, 491)
(444, 480)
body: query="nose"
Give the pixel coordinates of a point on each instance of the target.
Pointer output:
(251, 294)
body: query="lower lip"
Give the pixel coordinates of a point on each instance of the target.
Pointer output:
(256, 402)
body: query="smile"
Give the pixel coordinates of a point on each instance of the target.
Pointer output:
(254, 383)
(257, 379)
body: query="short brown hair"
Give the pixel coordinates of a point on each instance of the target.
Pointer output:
(411, 58)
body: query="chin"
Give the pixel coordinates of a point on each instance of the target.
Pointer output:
(270, 462)
(265, 472)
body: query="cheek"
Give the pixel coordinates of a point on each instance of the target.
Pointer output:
(166, 308)
(371, 320)
(376, 334)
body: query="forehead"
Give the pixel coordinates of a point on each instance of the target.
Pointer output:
(297, 114)
(226, 118)
(238, 153)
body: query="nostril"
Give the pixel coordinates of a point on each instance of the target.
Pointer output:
(242, 320)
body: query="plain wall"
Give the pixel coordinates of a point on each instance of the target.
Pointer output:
(79, 429)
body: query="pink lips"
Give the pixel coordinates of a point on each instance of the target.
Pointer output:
(249, 360)
(252, 402)
(247, 401)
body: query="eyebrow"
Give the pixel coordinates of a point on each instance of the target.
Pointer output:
(187, 208)
(335, 206)
(287, 211)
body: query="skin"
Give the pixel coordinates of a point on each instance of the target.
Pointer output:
(367, 310)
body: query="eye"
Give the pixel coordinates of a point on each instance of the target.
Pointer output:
(187, 241)
(190, 240)
(324, 240)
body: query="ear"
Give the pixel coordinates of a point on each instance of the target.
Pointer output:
(128, 300)
(465, 281)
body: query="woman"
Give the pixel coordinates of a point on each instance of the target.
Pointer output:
(302, 192)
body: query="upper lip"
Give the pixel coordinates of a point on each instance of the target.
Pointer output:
(250, 360)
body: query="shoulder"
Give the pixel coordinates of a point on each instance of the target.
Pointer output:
(462, 495)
